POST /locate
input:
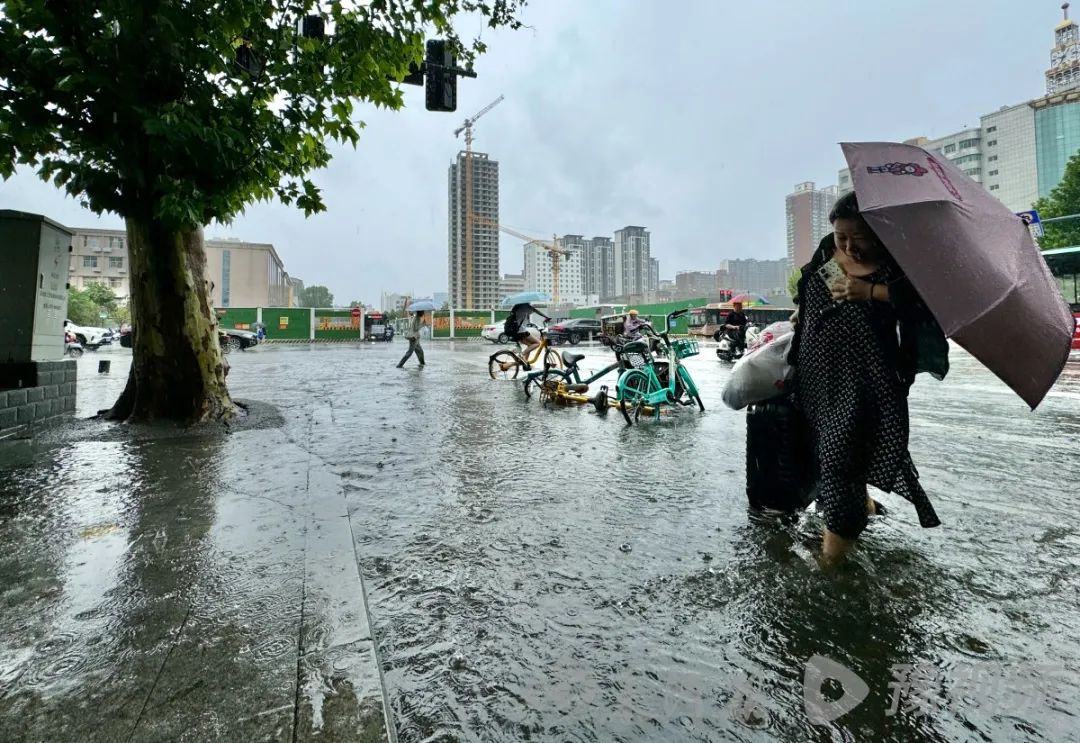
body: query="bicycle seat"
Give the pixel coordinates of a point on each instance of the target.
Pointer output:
(571, 358)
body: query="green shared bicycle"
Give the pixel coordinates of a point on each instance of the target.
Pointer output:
(659, 382)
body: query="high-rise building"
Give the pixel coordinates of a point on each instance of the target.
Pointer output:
(1057, 114)
(632, 266)
(696, 283)
(511, 283)
(807, 220)
(1064, 71)
(474, 275)
(391, 301)
(540, 277)
(598, 263)
(654, 275)
(758, 276)
(1009, 163)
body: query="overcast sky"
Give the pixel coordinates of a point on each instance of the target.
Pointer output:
(694, 123)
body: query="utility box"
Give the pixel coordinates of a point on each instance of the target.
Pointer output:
(35, 253)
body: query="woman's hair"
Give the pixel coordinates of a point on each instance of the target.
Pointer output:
(846, 207)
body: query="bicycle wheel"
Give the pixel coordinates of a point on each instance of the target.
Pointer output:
(552, 360)
(632, 388)
(550, 381)
(504, 365)
(689, 388)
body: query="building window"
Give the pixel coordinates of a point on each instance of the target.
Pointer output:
(993, 188)
(226, 271)
(992, 172)
(968, 143)
(991, 130)
(115, 282)
(89, 261)
(92, 243)
(992, 159)
(950, 148)
(992, 143)
(116, 262)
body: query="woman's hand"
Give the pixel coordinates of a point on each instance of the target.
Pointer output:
(852, 289)
(794, 319)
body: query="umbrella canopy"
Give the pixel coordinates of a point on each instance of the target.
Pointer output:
(523, 297)
(421, 305)
(750, 300)
(971, 259)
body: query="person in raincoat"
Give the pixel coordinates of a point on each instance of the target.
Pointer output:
(413, 336)
(862, 333)
(632, 325)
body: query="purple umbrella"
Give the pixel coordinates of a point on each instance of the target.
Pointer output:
(972, 260)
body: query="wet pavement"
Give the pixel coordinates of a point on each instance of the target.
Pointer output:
(497, 571)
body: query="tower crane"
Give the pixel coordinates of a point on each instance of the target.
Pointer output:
(467, 128)
(552, 247)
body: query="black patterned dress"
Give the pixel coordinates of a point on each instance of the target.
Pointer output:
(854, 398)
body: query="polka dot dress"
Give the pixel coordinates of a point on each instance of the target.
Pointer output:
(857, 406)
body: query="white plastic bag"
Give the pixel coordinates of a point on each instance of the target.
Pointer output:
(764, 371)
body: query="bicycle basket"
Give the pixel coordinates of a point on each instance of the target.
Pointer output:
(684, 347)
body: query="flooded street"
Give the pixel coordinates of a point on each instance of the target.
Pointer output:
(531, 573)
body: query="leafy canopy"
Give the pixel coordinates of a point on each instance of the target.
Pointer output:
(140, 107)
(1063, 201)
(316, 296)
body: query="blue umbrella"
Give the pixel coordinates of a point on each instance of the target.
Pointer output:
(523, 297)
(421, 305)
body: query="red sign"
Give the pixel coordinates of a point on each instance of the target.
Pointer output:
(356, 312)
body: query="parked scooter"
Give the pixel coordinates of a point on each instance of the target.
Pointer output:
(729, 350)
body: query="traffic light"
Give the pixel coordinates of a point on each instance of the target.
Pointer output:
(441, 85)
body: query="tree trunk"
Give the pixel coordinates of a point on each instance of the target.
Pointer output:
(177, 372)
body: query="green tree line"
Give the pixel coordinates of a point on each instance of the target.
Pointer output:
(97, 306)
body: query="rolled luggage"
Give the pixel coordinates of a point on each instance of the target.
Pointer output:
(780, 469)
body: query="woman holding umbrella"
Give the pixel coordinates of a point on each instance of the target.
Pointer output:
(853, 371)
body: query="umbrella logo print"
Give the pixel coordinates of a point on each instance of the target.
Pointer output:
(899, 169)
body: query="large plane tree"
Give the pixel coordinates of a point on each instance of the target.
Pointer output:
(176, 113)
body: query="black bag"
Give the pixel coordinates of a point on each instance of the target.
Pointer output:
(510, 327)
(780, 463)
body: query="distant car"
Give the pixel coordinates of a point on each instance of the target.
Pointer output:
(574, 331)
(237, 340)
(495, 333)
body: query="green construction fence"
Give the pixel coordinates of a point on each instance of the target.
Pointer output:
(466, 323)
(337, 325)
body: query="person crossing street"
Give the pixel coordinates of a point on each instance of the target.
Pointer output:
(413, 336)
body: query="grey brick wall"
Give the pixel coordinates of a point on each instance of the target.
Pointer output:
(24, 409)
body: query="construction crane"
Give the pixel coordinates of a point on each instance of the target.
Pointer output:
(467, 128)
(552, 248)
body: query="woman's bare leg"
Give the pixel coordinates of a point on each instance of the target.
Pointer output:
(834, 547)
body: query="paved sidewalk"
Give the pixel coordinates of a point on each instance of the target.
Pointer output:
(163, 587)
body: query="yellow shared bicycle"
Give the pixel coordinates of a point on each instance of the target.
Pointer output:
(508, 364)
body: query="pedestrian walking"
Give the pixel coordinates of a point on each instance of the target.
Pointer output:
(862, 334)
(413, 336)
